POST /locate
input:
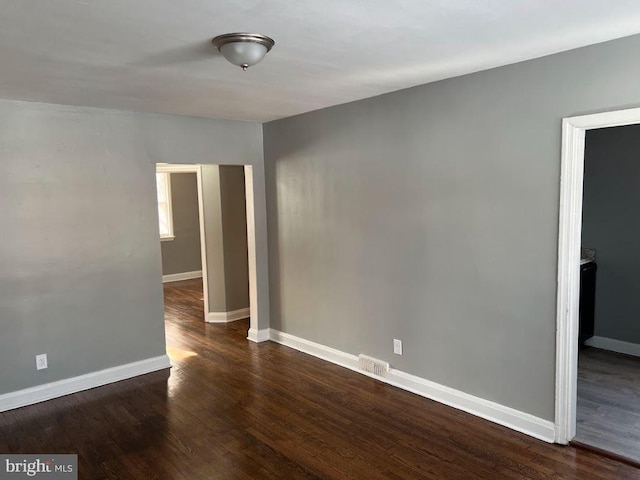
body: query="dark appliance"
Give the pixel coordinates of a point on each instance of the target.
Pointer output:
(587, 300)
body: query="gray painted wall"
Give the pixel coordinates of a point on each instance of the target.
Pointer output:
(431, 215)
(81, 263)
(182, 254)
(612, 226)
(212, 206)
(225, 224)
(234, 228)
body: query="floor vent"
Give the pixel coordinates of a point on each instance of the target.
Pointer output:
(373, 365)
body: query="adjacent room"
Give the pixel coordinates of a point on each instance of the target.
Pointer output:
(179, 226)
(202, 220)
(609, 360)
(319, 239)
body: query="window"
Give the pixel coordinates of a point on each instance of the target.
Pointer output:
(165, 215)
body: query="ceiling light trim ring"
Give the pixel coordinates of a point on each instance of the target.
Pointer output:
(222, 40)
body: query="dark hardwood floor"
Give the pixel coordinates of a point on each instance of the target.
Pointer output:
(609, 402)
(231, 409)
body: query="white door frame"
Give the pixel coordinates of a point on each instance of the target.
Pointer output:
(251, 237)
(569, 243)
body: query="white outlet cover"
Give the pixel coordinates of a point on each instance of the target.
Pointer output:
(397, 346)
(41, 361)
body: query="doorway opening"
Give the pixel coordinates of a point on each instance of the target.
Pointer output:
(179, 225)
(571, 253)
(221, 243)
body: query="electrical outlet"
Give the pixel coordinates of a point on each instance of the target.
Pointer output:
(41, 362)
(397, 346)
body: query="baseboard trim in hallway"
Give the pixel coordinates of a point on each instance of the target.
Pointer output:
(614, 345)
(506, 416)
(60, 388)
(258, 336)
(225, 317)
(178, 277)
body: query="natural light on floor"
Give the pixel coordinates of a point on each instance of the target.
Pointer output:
(179, 354)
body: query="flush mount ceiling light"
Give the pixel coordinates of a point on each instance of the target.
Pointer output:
(243, 49)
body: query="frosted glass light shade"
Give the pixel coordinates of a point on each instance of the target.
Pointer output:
(243, 54)
(243, 49)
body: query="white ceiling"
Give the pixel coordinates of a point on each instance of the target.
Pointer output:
(156, 56)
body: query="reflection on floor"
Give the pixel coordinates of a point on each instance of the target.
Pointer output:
(608, 414)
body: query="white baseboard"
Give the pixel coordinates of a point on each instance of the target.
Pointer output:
(316, 349)
(494, 412)
(614, 345)
(176, 277)
(225, 317)
(258, 336)
(40, 393)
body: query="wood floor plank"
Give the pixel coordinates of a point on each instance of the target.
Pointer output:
(232, 409)
(608, 411)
